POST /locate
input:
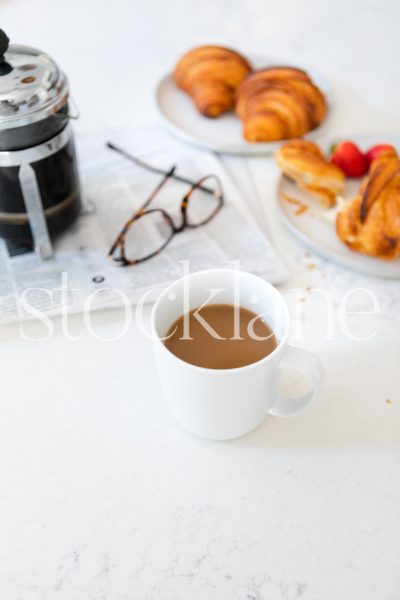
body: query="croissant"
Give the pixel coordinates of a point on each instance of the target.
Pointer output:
(279, 103)
(303, 161)
(370, 222)
(211, 75)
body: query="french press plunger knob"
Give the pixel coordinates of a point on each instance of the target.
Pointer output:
(5, 67)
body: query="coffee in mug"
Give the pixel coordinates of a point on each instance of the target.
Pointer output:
(220, 336)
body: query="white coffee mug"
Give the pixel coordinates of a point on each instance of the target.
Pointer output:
(221, 404)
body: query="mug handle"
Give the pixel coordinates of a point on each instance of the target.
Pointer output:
(307, 363)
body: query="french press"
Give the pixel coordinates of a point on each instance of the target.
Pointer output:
(39, 184)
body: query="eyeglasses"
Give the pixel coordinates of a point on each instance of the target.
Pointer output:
(150, 230)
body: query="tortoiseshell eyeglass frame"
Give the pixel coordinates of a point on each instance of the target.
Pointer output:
(204, 184)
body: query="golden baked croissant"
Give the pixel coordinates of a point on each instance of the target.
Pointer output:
(303, 161)
(370, 222)
(211, 75)
(279, 103)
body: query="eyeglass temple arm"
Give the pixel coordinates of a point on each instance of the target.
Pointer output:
(145, 165)
(167, 175)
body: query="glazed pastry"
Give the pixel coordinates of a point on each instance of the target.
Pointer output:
(303, 162)
(370, 222)
(211, 75)
(279, 103)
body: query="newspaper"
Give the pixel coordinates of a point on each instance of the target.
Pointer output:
(81, 277)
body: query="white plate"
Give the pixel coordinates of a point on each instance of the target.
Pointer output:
(223, 134)
(319, 235)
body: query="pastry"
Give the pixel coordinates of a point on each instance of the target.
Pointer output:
(303, 162)
(211, 75)
(370, 222)
(279, 103)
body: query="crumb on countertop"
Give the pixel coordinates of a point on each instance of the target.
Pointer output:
(306, 292)
(389, 401)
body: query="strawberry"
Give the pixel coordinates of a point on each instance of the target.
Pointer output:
(349, 158)
(379, 150)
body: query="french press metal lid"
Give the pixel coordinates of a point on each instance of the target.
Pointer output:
(32, 86)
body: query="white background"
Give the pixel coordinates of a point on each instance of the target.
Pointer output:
(102, 495)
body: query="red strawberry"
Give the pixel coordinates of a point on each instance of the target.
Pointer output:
(379, 150)
(349, 158)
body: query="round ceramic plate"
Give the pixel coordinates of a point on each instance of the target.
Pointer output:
(223, 134)
(315, 225)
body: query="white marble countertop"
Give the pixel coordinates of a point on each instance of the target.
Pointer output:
(102, 495)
